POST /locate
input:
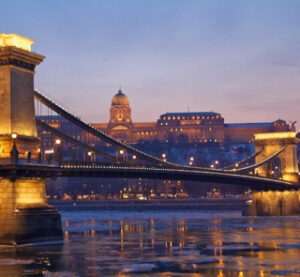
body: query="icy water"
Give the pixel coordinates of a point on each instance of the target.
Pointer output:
(163, 243)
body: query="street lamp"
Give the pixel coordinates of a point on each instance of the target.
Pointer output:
(14, 153)
(58, 150)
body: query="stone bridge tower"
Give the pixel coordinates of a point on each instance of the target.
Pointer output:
(272, 202)
(24, 213)
(269, 144)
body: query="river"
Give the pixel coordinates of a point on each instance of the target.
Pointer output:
(163, 243)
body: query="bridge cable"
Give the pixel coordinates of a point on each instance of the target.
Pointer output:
(73, 141)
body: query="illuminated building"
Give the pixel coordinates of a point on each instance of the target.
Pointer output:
(177, 127)
(181, 127)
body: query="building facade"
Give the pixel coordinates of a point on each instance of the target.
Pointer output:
(189, 127)
(181, 127)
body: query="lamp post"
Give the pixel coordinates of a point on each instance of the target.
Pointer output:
(14, 153)
(191, 162)
(122, 155)
(58, 151)
(133, 158)
(90, 156)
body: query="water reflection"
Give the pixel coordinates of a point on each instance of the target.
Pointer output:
(163, 244)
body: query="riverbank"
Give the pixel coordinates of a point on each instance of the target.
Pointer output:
(154, 204)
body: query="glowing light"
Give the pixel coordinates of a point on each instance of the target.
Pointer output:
(89, 153)
(276, 135)
(134, 157)
(121, 152)
(14, 135)
(16, 41)
(58, 141)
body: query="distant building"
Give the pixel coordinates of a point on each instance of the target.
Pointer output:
(188, 127)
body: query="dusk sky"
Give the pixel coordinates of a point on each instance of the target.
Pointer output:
(238, 58)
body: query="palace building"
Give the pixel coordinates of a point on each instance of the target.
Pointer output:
(188, 127)
(177, 127)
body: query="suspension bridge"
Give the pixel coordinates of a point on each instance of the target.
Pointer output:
(25, 215)
(147, 166)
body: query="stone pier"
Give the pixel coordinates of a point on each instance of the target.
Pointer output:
(273, 203)
(25, 216)
(276, 203)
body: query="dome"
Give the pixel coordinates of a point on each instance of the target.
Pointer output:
(120, 99)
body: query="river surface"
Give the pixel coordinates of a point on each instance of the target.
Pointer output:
(163, 243)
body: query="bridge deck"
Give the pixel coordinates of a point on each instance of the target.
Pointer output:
(43, 171)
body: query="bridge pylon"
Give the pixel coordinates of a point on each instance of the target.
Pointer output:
(25, 215)
(270, 143)
(276, 202)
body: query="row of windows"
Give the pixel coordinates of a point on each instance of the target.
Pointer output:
(181, 130)
(198, 123)
(146, 133)
(178, 117)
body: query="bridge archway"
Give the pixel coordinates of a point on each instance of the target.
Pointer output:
(270, 143)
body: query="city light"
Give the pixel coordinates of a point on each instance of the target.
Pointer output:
(121, 151)
(14, 135)
(89, 153)
(58, 141)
